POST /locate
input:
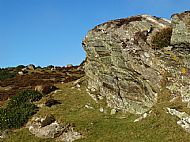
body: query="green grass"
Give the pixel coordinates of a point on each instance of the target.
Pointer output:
(103, 127)
(23, 135)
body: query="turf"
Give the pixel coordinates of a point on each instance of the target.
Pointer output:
(103, 127)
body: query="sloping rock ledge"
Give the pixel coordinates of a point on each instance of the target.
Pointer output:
(129, 61)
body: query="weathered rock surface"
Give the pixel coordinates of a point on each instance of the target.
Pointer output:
(44, 127)
(184, 121)
(121, 62)
(181, 29)
(48, 127)
(129, 61)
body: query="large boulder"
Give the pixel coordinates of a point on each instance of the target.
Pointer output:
(181, 29)
(123, 61)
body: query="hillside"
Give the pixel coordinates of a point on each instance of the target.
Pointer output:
(132, 87)
(79, 109)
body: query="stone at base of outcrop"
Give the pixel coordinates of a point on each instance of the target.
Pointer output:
(47, 127)
(143, 116)
(184, 121)
(3, 134)
(69, 136)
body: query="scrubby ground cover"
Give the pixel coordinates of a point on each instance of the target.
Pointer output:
(103, 127)
(9, 77)
(5, 74)
(18, 110)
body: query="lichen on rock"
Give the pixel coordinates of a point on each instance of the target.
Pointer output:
(181, 29)
(121, 65)
(129, 59)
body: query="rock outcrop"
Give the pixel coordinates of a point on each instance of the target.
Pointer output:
(181, 29)
(130, 61)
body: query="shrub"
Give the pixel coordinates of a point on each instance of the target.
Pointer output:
(19, 110)
(20, 67)
(162, 38)
(4, 74)
(24, 97)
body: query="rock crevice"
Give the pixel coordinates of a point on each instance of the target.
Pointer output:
(127, 59)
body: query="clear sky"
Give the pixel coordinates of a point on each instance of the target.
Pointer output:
(50, 32)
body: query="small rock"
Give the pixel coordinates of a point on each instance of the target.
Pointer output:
(45, 89)
(3, 134)
(88, 106)
(78, 86)
(57, 91)
(92, 89)
(113, 111)
(142, 117)
(69, 65)
(24, 69)
(168, 48)
(145, 115)
(31, 67)
(50, 102)
(47, 120)
(184, 121)
(101, 109)
(40, 105)
(94, 97)
(69, 135)
(20, 73)
(146, 55)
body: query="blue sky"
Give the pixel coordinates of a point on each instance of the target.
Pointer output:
(50, 32)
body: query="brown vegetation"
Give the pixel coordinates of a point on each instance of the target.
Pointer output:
(43, 77)
(162, 38)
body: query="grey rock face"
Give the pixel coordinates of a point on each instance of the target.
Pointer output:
(122, 62)
(48, 127)
(130, 61)
(184, 121)
(50, 130)
(181, 29)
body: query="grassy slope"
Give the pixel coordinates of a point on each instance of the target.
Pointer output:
(102, 127)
